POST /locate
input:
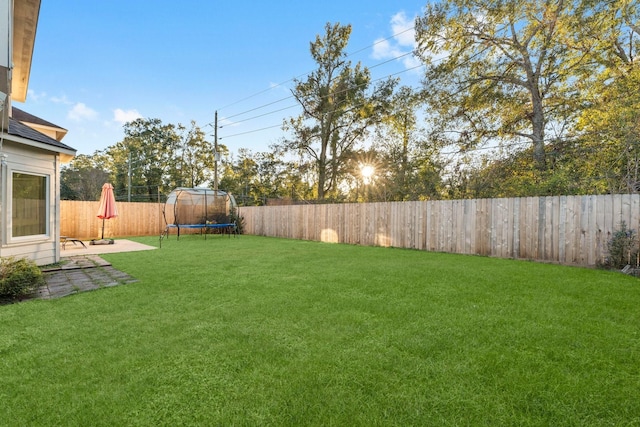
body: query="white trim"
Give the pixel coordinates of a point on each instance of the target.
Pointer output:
(11, 239)
(56, 204)
(31, 143)
(3, 204)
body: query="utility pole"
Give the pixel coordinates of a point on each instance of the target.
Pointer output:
(129, 180)
(216, 156)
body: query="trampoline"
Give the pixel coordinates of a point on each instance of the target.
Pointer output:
(201, 209)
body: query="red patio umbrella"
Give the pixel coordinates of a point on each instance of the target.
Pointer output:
(108, 208)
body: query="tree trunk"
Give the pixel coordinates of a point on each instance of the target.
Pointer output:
(405, 159)
(322, 173)
(537, 136)
(322, 164)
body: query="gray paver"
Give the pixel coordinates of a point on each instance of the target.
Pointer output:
(81, 273)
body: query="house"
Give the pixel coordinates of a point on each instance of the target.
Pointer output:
(31, 151)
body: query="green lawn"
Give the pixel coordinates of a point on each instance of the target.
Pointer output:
(262, 331)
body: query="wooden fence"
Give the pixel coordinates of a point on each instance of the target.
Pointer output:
(79, 219)
(571, 230)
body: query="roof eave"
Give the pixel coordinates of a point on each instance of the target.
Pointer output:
(25, 22)
(65, 154)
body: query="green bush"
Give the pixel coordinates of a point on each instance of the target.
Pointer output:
(19, 277)
(622, 248)
(239, 220)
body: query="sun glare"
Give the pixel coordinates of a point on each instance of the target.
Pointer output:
(367, 171)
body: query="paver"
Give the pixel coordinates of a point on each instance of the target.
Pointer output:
(81, 273)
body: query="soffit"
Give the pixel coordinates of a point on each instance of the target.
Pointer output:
(25, 22)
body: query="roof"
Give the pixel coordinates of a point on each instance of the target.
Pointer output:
(16, 128)
(38, 124)
(23, 116)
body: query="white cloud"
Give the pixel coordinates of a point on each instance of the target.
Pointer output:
(411, 62)
(61, 100)
(382, 49)
(403, 29)
(400, 44)
(81, 112)
(32, 95)
(122, 116)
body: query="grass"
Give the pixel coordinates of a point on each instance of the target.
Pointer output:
(262, 331)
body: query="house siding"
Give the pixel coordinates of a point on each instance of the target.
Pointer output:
(23, 146)
(42, 249)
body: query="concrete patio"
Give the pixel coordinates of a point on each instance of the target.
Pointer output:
(119, 245)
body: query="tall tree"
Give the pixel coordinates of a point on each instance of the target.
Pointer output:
(499, 71)
(610, 123)
(271, 174)
(239, 178)
(82, 179)
(144, 160)
(408, 165)
(254, 177)
(336, 108)
(196, 158)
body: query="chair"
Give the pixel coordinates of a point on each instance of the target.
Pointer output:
(66, 239)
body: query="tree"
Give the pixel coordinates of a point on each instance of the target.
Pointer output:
(255, 177)
(144, 163)
(500, 71)
(82, 179)
(239, 178)
(510, 173)
(408, 164)
(271, 175)
(196, 158)
(336, 108)
(609, 125)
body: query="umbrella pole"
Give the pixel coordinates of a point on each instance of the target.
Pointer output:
(102, 228)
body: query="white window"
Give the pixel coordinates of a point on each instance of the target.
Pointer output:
(30, 196)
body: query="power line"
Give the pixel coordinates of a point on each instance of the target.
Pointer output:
(307, 73)
(262, 115)
(336, 93)
(377, 42)
(257, 108)
(249, 131)
(390, 60)
(332, 94)
(291, 96)
(261, 92)
(349, 55)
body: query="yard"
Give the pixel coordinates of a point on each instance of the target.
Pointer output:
(265, 331)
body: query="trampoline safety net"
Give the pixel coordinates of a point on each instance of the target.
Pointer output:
(188, 206)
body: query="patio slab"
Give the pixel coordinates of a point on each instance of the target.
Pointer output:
(80, 273)
(119, 245)
(81, 269)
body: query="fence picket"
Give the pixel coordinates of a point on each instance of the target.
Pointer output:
(566, 229)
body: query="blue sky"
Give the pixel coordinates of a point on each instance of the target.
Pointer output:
(97, 65)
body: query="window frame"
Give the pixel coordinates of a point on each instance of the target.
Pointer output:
(47, 214)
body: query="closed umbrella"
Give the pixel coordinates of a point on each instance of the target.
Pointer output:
(108, 208)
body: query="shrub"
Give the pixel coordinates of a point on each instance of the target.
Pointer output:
(622, 248)
(239, 220)
(19, 277)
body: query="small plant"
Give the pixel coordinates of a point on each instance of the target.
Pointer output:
(238, 219)
(19, 277)
(622, 248)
